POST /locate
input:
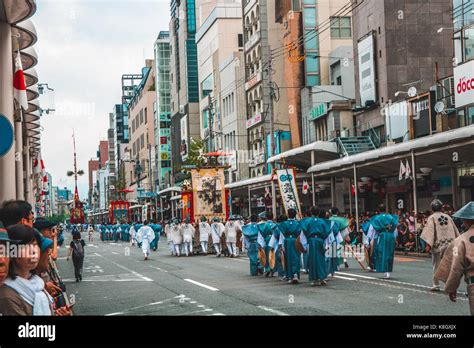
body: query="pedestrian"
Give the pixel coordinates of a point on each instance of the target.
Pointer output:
(382, 230)
(316, 231)
(266, 227)
(290, 230)
(204, 233)
(145, 237)
(250, 232)
(90, 231)
(188, 232)
(438, 233)
(23, 293)
(76, 249)
(231, 230)
(217, 228)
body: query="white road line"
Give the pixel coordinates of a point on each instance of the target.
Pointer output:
(147, 305)
(201, 284)
(346, 278)
(274, 311)
(159, 269)
(131, 271)
(355, 275)
(113, 252)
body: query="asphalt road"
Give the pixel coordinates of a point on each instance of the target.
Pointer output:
(117, 281)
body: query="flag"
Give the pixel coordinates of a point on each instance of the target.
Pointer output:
(38, 165)
(403, 171)
(19, 83)
(305, 187)
(408, 171)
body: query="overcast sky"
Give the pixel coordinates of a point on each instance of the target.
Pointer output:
(84, 46)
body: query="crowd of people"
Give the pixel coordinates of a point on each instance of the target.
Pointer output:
(30, 283)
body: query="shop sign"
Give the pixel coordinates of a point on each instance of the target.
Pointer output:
(318, 111)
(464, 84)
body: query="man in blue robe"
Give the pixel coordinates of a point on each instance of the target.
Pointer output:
(344, 235)
(274, 244)
(382, 229)
(316, 230)
(332, 245)
(266, 227)
(250, 232)
(103, 230)
(157, 231)
(290, 230)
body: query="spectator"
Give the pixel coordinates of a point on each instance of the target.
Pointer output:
(23, 292)
(48, 230)
(4, 259)
(17, 212)
(76, 249)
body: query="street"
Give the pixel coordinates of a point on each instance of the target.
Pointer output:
(117, 281)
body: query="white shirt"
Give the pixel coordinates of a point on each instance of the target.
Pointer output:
(176, 235)
(231, 229)
(217, 228)
(204, 231)
(188, 233)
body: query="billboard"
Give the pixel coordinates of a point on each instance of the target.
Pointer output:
(464, 84)
(367, 87)
(208, 193)
(184, 138)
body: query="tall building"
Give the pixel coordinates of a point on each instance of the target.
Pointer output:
(93, 165)
(261, 34)
(220, 47)
(142, 137)
(185, 123)
(162, 111)
(103, 153)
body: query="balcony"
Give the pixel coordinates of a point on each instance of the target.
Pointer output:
(252, 41)
(257, 160)
(254, 120)
(253, 80)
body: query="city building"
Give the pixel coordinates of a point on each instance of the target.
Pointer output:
(17, 33)
(162, 111)
(142, 134)
(185, 121)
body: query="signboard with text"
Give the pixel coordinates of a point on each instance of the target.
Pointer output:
(464, 84)
(288, 189)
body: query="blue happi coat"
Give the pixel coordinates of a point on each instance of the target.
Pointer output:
(382, 229)
(290, 230)
(316, 231)
(157, 231)
(251, 233)
(266, 232)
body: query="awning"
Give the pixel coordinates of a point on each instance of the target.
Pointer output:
(301, 156)
(175, 198)
(430, 151)
(248, 182)
(170, 189)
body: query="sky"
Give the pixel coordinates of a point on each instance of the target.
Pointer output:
(84, 47)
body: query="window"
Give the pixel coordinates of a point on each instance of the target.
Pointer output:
(311, 40)
(312, 65)
(468, 44)
(312, 80)
(134, 149)
(341, 27)
(145, 115)
(142, 140)
(141, 116)
(309, 14)
(240, 40)
(207, 86)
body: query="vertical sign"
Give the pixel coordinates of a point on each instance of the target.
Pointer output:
(288, 190)
(367, 69)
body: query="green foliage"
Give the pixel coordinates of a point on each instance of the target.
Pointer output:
(59, 218)
(195, 154)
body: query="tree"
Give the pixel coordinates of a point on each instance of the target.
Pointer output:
(195, 154)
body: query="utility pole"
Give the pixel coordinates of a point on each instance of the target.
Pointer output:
(211, 121)
(272, 126)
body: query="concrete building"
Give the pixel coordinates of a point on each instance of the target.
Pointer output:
(142, 133)
(162, 112)
(185, 122)
(397, 46)
(17, 32)
(261, 34)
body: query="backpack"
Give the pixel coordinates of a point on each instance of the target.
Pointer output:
(78, 250)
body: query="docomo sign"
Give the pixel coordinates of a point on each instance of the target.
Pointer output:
(464, 84)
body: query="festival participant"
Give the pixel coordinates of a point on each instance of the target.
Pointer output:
(157, 231)
(138, 225)
(176, 237)
(305, 256)
(90, 232)
(382, 229)
(275, 250)
(204, 233)
(250, 232)
(188, 232)
(343, 238)
(332, 244)
(217, 228)
(132, 233)
(169, 237)
(460, 261)
(145, 236)
(438, 233)
(290, 230)
(266, 227)
(316, 231)
(232, 228)
(118, 232)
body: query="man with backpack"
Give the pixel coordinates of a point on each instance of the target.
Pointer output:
(76, 249)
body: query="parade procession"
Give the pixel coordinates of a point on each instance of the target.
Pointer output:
(305, 160)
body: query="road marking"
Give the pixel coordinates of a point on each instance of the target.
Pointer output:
(144, 306)
(159, 269)
(201, 284)
(131, 271)
(355, 275)
(274, 311)
(113, 252)
(346, 278)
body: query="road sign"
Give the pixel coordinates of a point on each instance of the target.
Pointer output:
(6, 135)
